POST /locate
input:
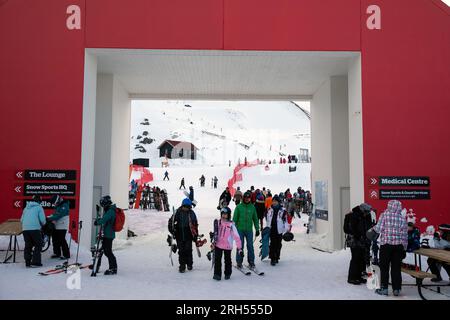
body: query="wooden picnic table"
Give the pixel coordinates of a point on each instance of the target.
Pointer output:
(11, 228)
(442, 256)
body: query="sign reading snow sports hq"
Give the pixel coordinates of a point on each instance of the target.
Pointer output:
(47, 189)
(404, 181)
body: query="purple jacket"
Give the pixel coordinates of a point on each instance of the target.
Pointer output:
(226, 234)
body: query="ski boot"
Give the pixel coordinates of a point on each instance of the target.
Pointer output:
(227, 277)
(397, 293)
(189, 267)
(182, 269)
(382, 291)
(273, 262)
(355, 282)
(217, 277)
(110, 272)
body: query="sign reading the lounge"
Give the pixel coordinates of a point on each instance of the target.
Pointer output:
(47, 175)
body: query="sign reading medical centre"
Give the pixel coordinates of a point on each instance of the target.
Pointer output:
(404, 181)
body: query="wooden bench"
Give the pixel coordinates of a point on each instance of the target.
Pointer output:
(418, 274)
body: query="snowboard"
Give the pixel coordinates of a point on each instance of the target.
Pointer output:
(213, 238)
(265, 239)
(165, 200)
(194, 202)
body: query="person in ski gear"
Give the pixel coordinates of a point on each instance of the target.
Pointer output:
(413, 238)
(182, 184)
(107, 222)
(276, 220)
(166, 175)
(253, 195)
(225, 198)
(260, 207)
(356, 224)
(184, 223)
(268, 202)
(215, 182)
(202, 181)
(60, 218)
(226, 233)
(440, 243)
(393, 232)
(245, 218)
(33, 219)
(191, 195)
(237, 196)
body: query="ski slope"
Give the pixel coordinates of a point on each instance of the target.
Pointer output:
(145, 271)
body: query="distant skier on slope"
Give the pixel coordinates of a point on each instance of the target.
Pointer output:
(182, 184)
(202, 181)
(166, 175)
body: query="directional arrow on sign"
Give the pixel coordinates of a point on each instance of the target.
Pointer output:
(18, 189)
(19, 174)
(373, 181)
(373, 194)
(17, 204)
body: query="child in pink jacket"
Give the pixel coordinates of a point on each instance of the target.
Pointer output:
(226, 234)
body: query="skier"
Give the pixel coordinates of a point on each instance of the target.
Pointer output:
(166, 175)
(226, 233)
(33, 219)
(60, 218)
(182, 184)
(440, 242)
(184, 223)
(202, 181)
(237, 196)
(260, 207)
(356, 224)
(215, 182)
(393, 232)
(107, 222)
(191, 195)
(268, 202)
(245, 218)
(225, 198)
(276, 220)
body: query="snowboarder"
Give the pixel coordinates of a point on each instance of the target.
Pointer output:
(33, 219)
(202, 181)
(440, 242)
(393, 232)
(184, 222)
(237, 196)
(60, 218)
(225, 198)
(182, 184)
(356, 224)
(166, 175)
(226, 233)
(215, 182)
(245, 218)
(276, 220)
(107, 222)
(260, 207)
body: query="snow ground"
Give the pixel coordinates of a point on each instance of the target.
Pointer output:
(145, 271)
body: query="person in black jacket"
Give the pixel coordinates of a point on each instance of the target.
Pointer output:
(185, 230)
(356, 224)
(225, 198)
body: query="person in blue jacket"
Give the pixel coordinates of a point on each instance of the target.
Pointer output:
(33, 218)
(60, 219)
(107, 222)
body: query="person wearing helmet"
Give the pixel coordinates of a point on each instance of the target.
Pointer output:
(33, 219)
(107, 222)
(226, 233)
(185, 230)
(245, 218)
(60, 218)
(237, 196)
(276, 220)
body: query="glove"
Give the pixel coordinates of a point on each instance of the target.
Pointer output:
(241, 253)
(95, 223)
(257, 233)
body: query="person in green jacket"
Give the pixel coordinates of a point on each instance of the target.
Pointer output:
(107, 223)
(245, 218)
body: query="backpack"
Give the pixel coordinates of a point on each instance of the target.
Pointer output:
(347, 224)
(120, 220)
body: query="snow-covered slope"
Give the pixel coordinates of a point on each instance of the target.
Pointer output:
(222, 130)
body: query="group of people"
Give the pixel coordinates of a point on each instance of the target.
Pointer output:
(202, 180)
(386, 242)
(34, 221)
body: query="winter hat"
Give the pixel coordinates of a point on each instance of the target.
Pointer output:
(394, 206)
(105, 201)
(259, 197)
(365, 207)
(187, 202)
(247, 194)
(276, 198)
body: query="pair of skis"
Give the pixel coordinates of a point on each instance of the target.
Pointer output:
(64, 268)
(247, 270)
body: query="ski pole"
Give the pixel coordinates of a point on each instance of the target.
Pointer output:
(78, 242)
